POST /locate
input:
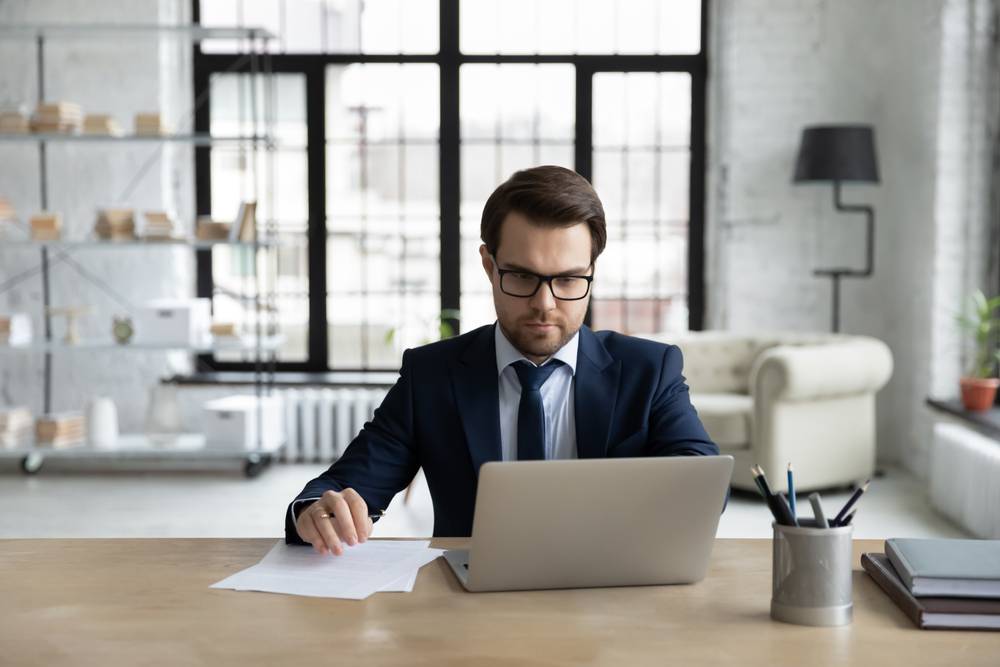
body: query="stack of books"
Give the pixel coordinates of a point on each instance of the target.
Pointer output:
(60, 430)
(207, 229)
(46, 226)
(6, 210)
(102, 124)
(159, 227)
(115, 224)
(244, 228)
(14, 122)
(57, 117)
(149, 124)
(941, 584)
(15, 427)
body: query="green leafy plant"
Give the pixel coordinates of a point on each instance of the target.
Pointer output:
(983, 324)
(444, 326)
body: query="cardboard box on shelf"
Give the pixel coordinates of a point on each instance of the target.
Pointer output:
(46, 226)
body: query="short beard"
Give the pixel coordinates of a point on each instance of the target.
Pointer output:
(536, 348)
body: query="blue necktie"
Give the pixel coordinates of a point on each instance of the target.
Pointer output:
(530, 414)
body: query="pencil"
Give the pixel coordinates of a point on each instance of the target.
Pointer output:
(850, 503)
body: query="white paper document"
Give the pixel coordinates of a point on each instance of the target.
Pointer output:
(378, 565)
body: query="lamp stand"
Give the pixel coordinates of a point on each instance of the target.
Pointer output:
(837, 273)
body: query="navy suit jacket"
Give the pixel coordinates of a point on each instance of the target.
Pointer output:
(443, 415)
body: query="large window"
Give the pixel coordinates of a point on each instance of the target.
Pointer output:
(395, 120)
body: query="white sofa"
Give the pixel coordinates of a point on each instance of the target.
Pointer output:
(771, 399)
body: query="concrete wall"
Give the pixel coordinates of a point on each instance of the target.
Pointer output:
(920, 72)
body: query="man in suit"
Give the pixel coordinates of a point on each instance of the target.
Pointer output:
(535, 385)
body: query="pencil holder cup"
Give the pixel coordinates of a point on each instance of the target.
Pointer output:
(811, 574)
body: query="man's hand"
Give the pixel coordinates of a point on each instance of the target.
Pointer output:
(335, 519)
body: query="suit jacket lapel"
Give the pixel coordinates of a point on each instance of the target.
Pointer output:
(478, 397)
(597, 377)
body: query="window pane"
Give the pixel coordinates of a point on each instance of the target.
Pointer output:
(328, 26)
(383, 212)
(512, 117)
(581, 26)
(277, 181)
(642, 171)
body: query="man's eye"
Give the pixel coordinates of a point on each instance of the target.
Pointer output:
(524, 276)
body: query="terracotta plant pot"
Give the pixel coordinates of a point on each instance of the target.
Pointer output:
(978, 394)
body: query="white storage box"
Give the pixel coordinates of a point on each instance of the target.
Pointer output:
(15, 329)
(184, 322)
(231, 423)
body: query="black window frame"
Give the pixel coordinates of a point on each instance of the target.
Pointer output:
(449, 60)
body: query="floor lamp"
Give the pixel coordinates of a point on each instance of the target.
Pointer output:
(841, 153)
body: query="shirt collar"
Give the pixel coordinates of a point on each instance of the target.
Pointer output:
(508, 354)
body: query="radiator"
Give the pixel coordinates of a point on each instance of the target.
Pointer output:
(320, 423)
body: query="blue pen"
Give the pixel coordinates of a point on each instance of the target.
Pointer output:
(791, 492)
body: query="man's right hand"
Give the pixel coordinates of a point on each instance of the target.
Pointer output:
(336, 519)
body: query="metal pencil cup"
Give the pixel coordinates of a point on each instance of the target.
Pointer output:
(811, 574)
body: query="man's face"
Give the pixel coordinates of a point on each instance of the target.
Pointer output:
(541, 324)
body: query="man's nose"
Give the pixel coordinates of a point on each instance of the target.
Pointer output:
(543, 299)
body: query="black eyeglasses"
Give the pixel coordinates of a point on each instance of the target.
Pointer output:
(524, 284)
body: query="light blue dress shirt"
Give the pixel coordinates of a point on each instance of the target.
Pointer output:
(557, 399)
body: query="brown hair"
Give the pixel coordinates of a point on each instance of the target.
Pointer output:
(549, 196)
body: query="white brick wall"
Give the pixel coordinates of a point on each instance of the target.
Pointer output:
(121, 76)
(918, 70)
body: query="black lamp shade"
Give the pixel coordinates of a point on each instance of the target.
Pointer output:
(837, 153)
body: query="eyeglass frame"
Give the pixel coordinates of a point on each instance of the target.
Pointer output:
(542, 279)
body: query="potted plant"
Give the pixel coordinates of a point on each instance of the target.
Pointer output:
(979, 388)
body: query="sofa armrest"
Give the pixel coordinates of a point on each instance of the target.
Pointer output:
(808, 372)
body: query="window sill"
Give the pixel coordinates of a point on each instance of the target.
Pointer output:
(987, 422)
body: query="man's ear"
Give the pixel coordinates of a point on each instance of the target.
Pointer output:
(487, 262)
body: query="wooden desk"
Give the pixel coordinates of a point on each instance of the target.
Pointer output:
(130, 602)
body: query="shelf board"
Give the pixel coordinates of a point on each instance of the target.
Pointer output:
(141, 446)
(93, 243)
(199, 139)
(268, 344)
(189, 31)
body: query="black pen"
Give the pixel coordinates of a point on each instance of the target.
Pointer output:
(371, 515)
(780, 511)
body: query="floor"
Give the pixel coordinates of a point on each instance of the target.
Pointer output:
(221, 504)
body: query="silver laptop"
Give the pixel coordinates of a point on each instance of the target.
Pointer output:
(593, 522)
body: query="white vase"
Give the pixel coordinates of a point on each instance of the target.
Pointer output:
(102, 423)
(164, 414)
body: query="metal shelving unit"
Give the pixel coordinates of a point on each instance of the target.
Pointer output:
(187, 448)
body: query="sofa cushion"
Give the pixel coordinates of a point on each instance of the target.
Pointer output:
(727, 418)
